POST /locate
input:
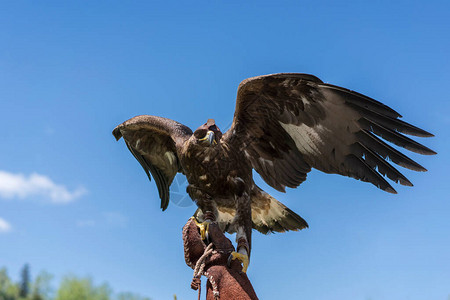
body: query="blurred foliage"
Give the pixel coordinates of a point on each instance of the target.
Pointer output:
(130, 296)
(24, 287)
(70, 288)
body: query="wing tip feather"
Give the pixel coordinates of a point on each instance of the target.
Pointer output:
(117, 133)
(164, 204)
(426, 134)
(390, 190)
(405, 182)
(430, 152)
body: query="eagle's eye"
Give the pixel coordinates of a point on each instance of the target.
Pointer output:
(200, 133)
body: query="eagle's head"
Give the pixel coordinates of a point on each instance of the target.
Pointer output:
(208, 134)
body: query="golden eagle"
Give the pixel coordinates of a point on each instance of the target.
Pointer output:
(284, 125)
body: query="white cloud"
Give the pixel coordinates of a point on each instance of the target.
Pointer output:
(107, 219)
(85, 223)
(115, 219)
(4, 226)
(21, 186)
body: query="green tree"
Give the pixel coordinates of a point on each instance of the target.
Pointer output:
(8, 290)
(130, 296)
(73, 288)
(24, 288)
(41, 287)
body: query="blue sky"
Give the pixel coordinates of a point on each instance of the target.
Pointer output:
(74, 200)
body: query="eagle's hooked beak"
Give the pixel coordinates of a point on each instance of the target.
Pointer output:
(210, 137)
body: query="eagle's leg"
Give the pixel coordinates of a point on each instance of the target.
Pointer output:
(208, 211)
(243, 224)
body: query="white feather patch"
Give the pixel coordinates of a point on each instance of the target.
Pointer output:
(307, 139)
(225, 217)
(170, 157)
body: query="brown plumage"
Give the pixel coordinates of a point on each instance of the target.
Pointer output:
(284, 125)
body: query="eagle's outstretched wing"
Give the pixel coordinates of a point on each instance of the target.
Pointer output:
(286, 124)
(154, 142)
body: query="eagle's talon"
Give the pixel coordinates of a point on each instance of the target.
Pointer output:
(241, 257)
(204, 228)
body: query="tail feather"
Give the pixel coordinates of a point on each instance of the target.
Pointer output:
(269, 215)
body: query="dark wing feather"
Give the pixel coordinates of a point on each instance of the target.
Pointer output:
(286, 124)
(155, 143)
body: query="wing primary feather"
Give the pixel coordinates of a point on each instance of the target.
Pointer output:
(391, 123)
(366, 173)
(384, 150)
(139, 159)
(394, 137)
(160, 180)
(360, 100)
(375, 160)
(163, 187)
